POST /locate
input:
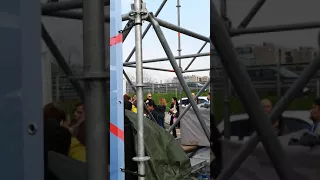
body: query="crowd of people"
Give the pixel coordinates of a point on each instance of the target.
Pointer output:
(155, 111)
(64, 135)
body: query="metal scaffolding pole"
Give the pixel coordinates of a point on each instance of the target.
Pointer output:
(95, 90)
(181, 30)
(79, 15)
(248, 96)
(138, 11)
(275, 28)
(135, 91)
(251, 14)
(60, 60)
(226, 87)
(193, 59)
(166, 58)
(197, 70)
(127, 29)
(146, 30)
(151, 68)
(178, 71)
(179, 44)
(188, 107)
(67, 5)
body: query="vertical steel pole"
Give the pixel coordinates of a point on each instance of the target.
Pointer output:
(278, 64)
(226, 85)
(139, 83)
(95, 90)
(179, 43)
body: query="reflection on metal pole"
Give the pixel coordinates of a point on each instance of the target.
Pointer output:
(146, 30)
(67, 5)
(189, 106)
(139, 11)
(95, 100)
(274, 28)
(278, 59)
(179, 43)
(248, 96)
(226, 84)
(61, 61)
(251, 14)
(282, 104)
(178, 72)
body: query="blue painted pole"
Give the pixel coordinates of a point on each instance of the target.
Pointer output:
(116, 94)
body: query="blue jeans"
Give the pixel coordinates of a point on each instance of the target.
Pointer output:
(161, 123)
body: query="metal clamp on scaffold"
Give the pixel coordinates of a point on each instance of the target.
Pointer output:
(143, 13)
(140, 85)
(129, 25)
(132, 172)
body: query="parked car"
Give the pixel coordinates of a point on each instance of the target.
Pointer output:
(294, 120)
(201, 99)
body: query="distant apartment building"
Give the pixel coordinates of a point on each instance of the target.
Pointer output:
(300, 55)
(269, 53)
(192, 78)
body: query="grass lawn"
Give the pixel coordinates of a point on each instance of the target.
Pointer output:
(301, 103)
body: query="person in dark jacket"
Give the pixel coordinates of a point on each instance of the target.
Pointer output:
(56, 137)
(161, 109)
(152, 107)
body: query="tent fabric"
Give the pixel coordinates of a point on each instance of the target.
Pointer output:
(191, 130)
(258, 166)
(167, 161)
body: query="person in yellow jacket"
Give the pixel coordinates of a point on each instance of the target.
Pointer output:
(77, 151)
(134, 104)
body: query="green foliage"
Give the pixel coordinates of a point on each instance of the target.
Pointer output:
(301, 103)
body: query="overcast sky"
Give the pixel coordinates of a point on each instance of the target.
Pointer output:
(195, 17)
(274, 12)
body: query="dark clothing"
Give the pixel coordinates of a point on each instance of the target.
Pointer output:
(157, 116)
(57, 139)
(161, 111)
(127, 105)
(174, 132)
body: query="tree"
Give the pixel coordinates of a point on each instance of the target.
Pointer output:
(147, 78)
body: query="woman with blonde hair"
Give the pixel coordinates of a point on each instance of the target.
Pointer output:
(161, 108)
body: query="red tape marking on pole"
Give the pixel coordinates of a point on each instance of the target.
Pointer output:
(116, 131)
(116, 39)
